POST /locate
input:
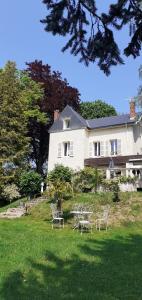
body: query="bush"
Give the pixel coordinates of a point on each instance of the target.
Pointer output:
(30, 183)
(11, 192)
(87, 180)
(112, 185)
(129, 179)
(59, 191)
(61, 173)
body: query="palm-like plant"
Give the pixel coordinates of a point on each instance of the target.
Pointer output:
(58, 191)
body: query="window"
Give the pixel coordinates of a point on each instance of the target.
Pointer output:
(66, 148)
(66, 123)
(114, 146)
(97, 149)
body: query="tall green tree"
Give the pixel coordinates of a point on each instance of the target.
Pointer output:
(89, 32)
(96, 109)
(19, 97)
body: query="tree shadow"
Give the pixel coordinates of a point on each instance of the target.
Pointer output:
(108, 269)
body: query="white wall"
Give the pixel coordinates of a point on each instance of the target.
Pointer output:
(78, 137)
(81, 139)
(125, 134)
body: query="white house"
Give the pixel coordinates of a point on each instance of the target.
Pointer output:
(110, 143)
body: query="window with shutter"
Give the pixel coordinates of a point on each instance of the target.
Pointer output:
(115, 147)
(102, 148)
(90, 149)
(66, 148)
(107, 152)
(59, 150)
(119, 147)
(96, 148)
(71, 149)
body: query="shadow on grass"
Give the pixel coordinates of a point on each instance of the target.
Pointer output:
(109, 269)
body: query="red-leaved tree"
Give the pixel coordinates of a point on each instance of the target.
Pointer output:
(57, 94)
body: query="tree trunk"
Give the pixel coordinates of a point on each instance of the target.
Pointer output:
(59, 204)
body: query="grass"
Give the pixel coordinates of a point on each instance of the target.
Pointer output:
(37, 262)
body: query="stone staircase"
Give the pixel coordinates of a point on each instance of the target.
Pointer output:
(22, 210)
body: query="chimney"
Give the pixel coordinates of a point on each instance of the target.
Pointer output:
(56, 114)
(132, 109)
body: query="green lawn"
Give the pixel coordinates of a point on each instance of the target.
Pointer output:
(37, 262)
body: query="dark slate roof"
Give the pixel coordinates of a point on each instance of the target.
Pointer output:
(77, 122)
(109, 121)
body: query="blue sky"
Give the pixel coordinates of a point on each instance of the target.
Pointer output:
(23, 39)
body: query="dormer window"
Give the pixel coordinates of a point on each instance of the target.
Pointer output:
(66, 123)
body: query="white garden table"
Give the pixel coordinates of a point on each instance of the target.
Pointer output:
(79, 213)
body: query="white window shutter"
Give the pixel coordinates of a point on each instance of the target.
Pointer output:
(107, 152)
(90, 149)
(59, 150)
(102, 148)
(118, 147)
(71, 149)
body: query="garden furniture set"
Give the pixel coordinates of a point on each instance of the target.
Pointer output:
(82, 218)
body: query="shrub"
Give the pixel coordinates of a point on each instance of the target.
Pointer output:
(30, 183)
(129, 179)
(112, 185)
(11, 192)
(87, 180)
(58, 191)
(60, 173)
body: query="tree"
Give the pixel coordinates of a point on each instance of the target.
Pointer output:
(30, 183)
(61, 173)
(96, 109)
(90, 34)
(138, 98)
(57, 94)
(58, 191)
(87, 179)
(19, 97)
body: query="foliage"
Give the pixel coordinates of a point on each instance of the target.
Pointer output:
(138, 98)
(127, 179)
(11, 192)
(90, 31)
(112, 185)
(57, 93)
(87, 179)
(19, 96)
(61, 173)
(58, 191)
(30, 183)
(96, 109)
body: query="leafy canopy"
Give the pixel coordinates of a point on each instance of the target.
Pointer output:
(19, 101)
(90, 33)
(138, 98)
(96, 109)
(57, 93)
(60, 173)
(30, 183)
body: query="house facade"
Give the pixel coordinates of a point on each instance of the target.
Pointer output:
(110, 143)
